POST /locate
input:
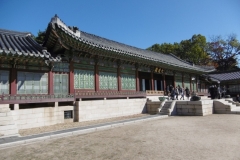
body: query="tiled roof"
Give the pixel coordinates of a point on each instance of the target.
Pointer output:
(120, 48)
(13, 43)
(226, 76)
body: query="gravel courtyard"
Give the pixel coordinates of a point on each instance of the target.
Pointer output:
(210, 137)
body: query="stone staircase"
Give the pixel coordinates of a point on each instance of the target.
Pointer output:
(169, 108)
(226, 106)
(7, 125)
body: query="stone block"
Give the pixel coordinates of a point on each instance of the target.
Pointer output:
(3, 114)
(4, 106)
(4, 110)
(182, 102)
(7, 127)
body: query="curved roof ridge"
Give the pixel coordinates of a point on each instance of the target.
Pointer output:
(11, 32)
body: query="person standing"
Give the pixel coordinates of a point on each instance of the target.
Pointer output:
(238, 98)
(181, 91)
(176, 92)
(187, 93)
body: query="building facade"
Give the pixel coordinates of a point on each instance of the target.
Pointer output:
(80, 76)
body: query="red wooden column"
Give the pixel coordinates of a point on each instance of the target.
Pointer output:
(96, 70)
(119, 78)
(191, 83)
(196, 84)
(164, 84)
(50, 82)
(71, 78)
(174, 80)
(183, 80)
(152, 81)
(13, 81)
(137, 77)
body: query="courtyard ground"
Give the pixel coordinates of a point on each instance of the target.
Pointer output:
(194, 137)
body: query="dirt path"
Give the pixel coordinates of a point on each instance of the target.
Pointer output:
(209, 137)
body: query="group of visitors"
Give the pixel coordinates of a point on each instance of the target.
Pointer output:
(175, 93)
(216, 92)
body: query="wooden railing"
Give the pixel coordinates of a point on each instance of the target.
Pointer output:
(34, 98)
(38, 98)
(108, 94)
(154, 93)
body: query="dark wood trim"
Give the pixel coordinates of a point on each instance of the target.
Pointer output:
(50, 82)
(13, 81)
(71, 78)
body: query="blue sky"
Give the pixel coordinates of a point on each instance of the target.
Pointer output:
(139, 23)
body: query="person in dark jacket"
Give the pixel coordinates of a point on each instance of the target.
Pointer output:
(238, 98)
(187, 91)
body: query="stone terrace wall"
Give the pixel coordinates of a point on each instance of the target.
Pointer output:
(194, 108)
(38, 117)
(100, 109)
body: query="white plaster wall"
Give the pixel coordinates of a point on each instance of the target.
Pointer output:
(38, 117)
(100, 109)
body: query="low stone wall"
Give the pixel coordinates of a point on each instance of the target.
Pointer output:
(101, 109)
(38, 117)
(194, 108)
(7, 125)
(153, 107)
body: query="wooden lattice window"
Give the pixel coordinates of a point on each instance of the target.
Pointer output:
(60, 83)
(83, 79)
(32, 83)
(4, 82)
(128, 82)
(107, 80)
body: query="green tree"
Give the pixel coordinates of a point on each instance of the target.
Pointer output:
(193, 50)
(40, 37)
(224, 52)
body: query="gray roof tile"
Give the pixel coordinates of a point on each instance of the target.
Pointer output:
(235, 75)
(121, 48)
(13, 43)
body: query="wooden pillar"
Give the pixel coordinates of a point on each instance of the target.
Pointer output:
(71, 78)
(137, 80)
(191, 83)
(196, 81)
(137, 77)
(50, 82)
(119, 78)
(174, 80)
(164, 83)
(13, 81)
(96, 70)
(183, 80)
(152, 81)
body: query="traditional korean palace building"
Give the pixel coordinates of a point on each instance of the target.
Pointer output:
(77, 76)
